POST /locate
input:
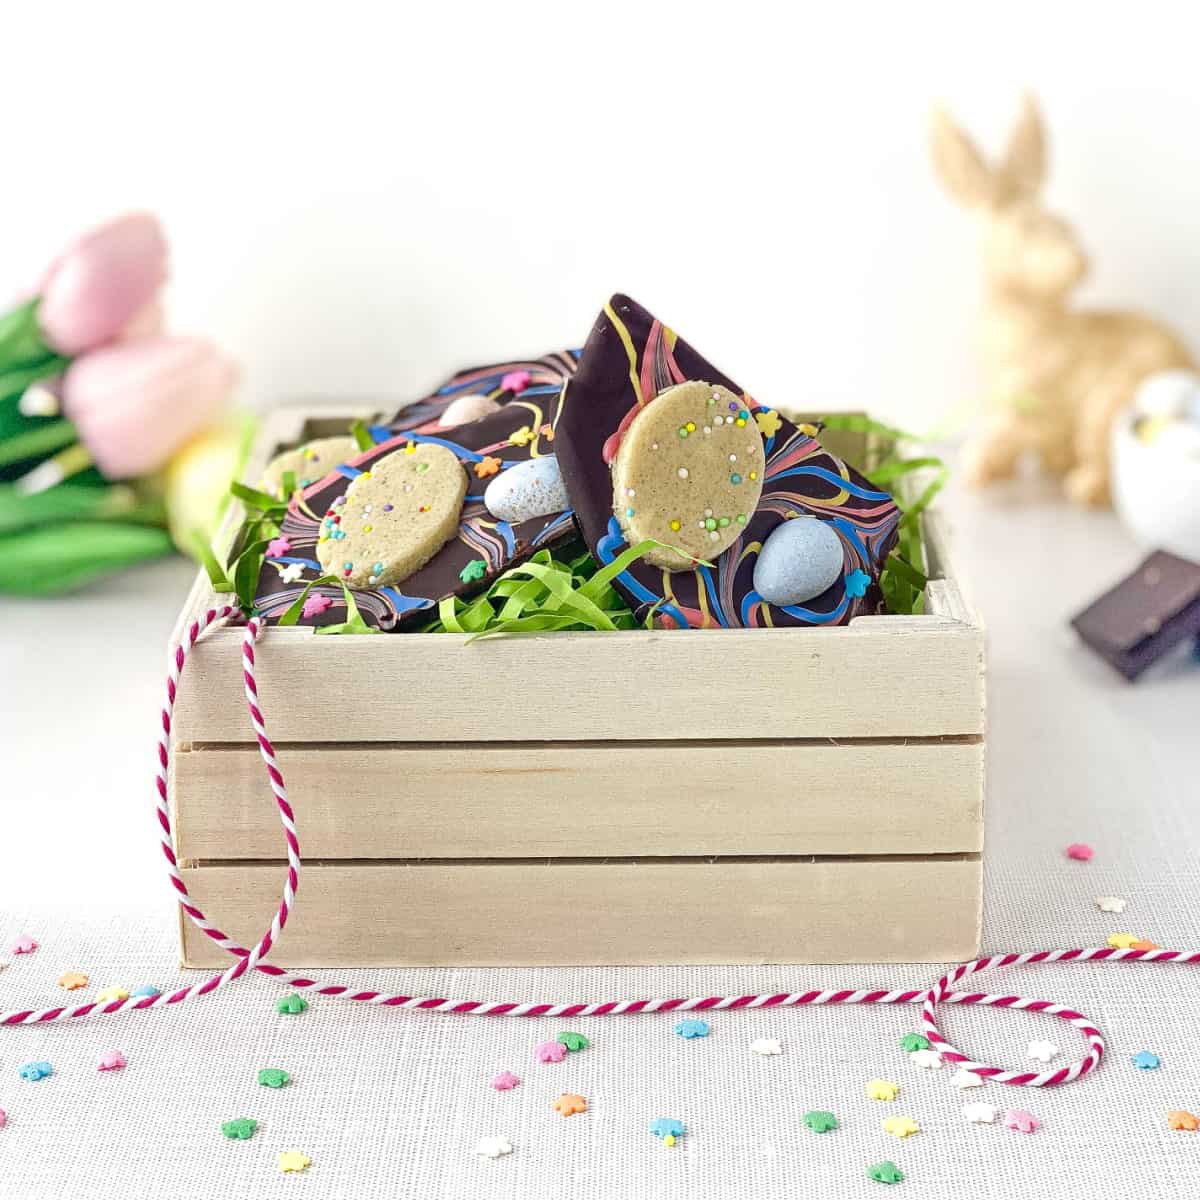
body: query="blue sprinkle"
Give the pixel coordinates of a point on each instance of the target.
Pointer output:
(629, 512)
(692, 1028)
(147, 989)
(735, 479)
(1144, 1060)
(663, 1127)
(34, 1071)
(857, 583)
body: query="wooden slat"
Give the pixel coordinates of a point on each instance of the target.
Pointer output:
(565, 913)
(878, 677)
(585, 799)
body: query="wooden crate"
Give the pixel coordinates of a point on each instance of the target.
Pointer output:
(836, 817)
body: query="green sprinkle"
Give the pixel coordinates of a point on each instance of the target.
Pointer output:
(241, 1129)
(274, 1077)
(422, 466)
(573, 1041)
(741, 518)
(885, 1172)
(475, 570)
(291, 1003)
(820, 1122)
(710, 523)
(914, 1041)
(682, 432)
(722, 521)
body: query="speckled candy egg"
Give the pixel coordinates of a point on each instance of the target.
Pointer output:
(530, 489)
(466, 409)
(801, 559)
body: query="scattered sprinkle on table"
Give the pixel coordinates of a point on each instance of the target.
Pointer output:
(962, 1078)
(1110, 904)
(291, 1004)
(33, 1071)
(1079, 851)
(239, 1129)
(72, 980)
(979, 1113)
(882, 1089)
(549, 1052)
(1144, 944)
(900, 1127)
(820, 1121)
(912, 1042)
(693, 1028)
(493, 1147)
(927, 1060)
(147, 989)
(23, 945)
(274, 1077)
(1042, 1051)
(767, 1046)
(293, 1160)
(1121, 941)
(668, 1130)
(1146, 1060)
(1021, 1120)
(1180, 1118)
(114, 1060)
(109, 994)
(3, 1118)
(568, 1104)
(573, 1041)
(505, 1081)
(885, 1172)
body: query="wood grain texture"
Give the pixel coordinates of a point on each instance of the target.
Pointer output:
(586, 799)
(621, 912)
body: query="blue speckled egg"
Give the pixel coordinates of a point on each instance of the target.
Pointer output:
(530, 489)
(799, 560)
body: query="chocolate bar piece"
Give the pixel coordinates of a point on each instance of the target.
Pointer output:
(630, 359)
(485, 546)
(1147, 614)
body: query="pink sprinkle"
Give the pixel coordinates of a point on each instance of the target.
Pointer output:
(515, 381)
(505, 1081)
(114, 1060)
(24, 945)
(3, 1118)
(315, 605)
(278, 547)
(1020, 1120)
(1079, 851)
(550, 1052)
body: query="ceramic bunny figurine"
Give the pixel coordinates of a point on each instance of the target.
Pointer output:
(1062, 374)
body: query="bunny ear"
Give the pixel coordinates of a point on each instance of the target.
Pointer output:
(961, 167)
(1025, 163)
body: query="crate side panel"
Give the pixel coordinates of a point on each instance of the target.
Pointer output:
(523, 914)
(585, 800)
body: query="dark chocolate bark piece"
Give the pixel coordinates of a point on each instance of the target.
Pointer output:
(485, 547)
(630, 358)
(1144, 616)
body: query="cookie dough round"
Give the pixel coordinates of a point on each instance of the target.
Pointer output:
(689, 473)
(309, 463)
(394, 517)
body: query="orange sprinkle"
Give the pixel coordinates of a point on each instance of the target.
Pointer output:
(73, 980)
(1144, 946)
(1180, 1118)
(569, 1103)
(488, 466)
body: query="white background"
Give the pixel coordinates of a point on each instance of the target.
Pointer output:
(364, 196)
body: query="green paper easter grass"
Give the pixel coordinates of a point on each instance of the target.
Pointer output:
(48, 559)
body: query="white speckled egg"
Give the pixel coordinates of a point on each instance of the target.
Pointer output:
(530, 489)
(467, 408)
(799, 560)
(1168, 394)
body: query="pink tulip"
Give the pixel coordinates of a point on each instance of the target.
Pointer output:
(135, 404)
(102, 282)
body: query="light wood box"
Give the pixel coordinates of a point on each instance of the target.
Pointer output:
(715, 796)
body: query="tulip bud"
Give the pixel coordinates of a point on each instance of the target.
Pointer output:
(101, 282)
(135, 404)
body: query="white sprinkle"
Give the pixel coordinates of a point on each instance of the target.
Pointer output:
(733, 458)
(708, 512)
(929, 1060)
(493, 1147)
(683, 472)
(1042, 1051)
(713, 536)
(962, 1078)
(718, 420)
(979, 1114)
(1110, 903)
(766, 1046)
(708, 429)
(630, 492)
(653, 445)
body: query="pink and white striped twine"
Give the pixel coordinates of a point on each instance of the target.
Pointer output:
(244, 960)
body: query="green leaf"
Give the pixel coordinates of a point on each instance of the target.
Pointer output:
(50, 559)
(246, 570)
(262, 501)
(362, 435)
(37, 441)
(21, 339)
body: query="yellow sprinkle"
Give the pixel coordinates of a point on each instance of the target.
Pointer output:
(741, 421)
(1121, 941)
(368, 528)
(807, 429)
(753, 474)
(293, 1160)
(110, 994)
(691, 427)
(411, 448)
(669, 1140)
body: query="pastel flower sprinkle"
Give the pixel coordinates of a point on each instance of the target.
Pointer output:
(767, 1047)
(278, 547)
(1180, 1118)
(1146, 1060)
(1121, 941)
(1079, 851)
(928, 1060)
(979, 1113)
(505, 1081)
(1110, 904)
(291, 1004)
(274, 1077)
(493, 1147)
(914, 1041)
(900, 1127)
(885, 1172)
(857, 583)
(23, 945)
(1020, 1120)
(109, 994)
(241, 1129)
(1042, 1051)
(33, 1071)
(515, 381)
(668, 1130)
(114, 1060)
(293, 1160)
(693, 1028)
(573, 1041)
(315, 604)
(962, 1078)
(70, 981)
(146, 989)
(882, 1089)
(568, 1104)
(820, 1121)
(549, 1052)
